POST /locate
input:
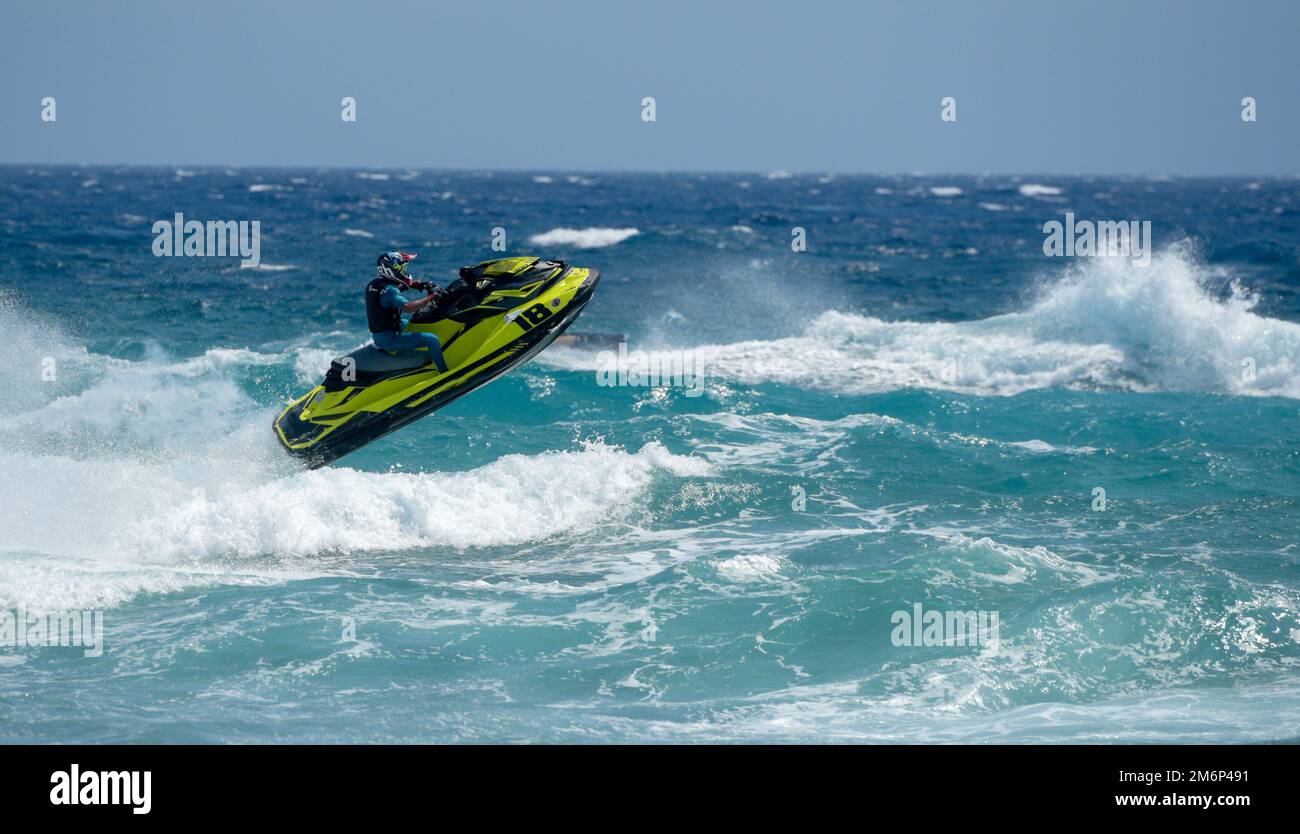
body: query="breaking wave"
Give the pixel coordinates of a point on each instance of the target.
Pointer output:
(1107, 324)
(595, 237)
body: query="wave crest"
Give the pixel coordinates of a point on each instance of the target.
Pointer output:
(1108, 324)
(595, 237)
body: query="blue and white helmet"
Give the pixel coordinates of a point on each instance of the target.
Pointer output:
(393, 265)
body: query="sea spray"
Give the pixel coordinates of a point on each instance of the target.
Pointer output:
(1102, 324)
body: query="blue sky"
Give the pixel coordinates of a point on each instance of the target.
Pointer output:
(1136, 87)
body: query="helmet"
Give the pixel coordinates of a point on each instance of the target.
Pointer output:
(393, 265)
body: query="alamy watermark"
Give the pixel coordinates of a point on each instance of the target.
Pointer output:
(933, 627)
(652, 369)
(75, 786)
(213, 239)
(1098, 239)
(22, 629)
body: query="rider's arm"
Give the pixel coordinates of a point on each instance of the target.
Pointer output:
(433, 295)
(412, 306)
(391, 299)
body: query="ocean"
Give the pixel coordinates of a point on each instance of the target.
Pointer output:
(918, 416)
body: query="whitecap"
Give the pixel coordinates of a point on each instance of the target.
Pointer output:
(1033, 189)
(596, 237)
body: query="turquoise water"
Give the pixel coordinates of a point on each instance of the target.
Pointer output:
(918, 409)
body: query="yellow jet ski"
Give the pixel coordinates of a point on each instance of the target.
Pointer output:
(502, 314)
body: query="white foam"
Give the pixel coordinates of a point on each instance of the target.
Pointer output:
(1104, 323)
(138, 511)
(97, 529)
(964, 700)
(152, 476)
(1033, 189)
(983, 560)
(945, 191)
(595, 237)
(766, 439)
(751, 568)
(853, 354)
(1042, 447)
(42, 583)
(310, 364)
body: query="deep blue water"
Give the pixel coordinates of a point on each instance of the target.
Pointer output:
(549, 559)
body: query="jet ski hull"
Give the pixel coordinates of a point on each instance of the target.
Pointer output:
(481, 343)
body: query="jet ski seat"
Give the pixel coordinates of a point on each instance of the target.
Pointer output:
(370, 364)
(371, 358)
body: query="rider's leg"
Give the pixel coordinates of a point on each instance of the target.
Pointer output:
(413, 341)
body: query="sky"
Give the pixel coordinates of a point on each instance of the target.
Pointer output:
(1142, 87)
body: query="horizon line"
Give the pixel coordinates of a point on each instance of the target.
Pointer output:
(768, 174)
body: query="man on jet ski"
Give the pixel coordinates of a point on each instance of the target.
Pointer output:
(385, 305)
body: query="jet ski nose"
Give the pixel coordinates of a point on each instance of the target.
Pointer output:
(588, 285)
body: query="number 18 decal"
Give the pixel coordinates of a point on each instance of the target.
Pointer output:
(533, 316)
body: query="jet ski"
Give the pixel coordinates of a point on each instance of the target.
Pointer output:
(501, 314)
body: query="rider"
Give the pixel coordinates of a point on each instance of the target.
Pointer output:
(385, 305)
